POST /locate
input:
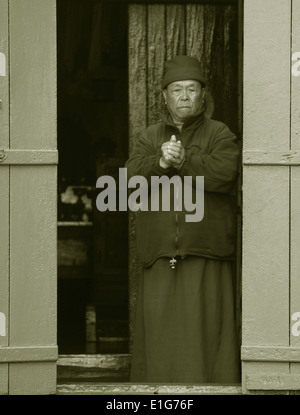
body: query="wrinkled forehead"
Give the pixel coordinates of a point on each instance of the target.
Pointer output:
(185, 83)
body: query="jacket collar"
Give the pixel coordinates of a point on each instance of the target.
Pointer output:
(190, 124)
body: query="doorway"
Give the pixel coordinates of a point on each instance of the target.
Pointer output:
(100, 113)
(92, 141)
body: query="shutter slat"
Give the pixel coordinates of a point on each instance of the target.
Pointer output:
(19, 157)
(29, 354)
(271, 158)
(271, 382)
(270, 353)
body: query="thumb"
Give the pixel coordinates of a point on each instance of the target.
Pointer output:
(173, 138)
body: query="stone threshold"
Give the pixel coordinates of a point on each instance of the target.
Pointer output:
(89, 388)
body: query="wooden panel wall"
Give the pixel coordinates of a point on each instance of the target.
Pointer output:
(28, 202)
(271, 182)
(157, 32)
(266, 189)
(33, 191)
(4, 199)
(295, 191)
(266, 97)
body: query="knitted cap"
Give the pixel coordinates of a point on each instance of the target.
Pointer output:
(181, 68)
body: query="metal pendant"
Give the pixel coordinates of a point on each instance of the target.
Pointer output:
(173, 262)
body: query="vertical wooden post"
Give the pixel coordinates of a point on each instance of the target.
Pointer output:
(137, 28)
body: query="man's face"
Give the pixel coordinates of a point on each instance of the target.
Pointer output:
(184, 99)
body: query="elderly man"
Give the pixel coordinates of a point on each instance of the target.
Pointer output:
(185, 323)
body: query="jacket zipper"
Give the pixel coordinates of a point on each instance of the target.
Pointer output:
(173, 260)
(176, 220)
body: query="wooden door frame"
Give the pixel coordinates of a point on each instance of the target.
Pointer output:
(159, 388)
(270, 351)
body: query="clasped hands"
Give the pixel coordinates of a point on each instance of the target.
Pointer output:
(173, 154)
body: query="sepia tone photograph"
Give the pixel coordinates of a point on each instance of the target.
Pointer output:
(150, 193)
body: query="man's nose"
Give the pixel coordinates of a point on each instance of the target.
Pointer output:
(184, 95)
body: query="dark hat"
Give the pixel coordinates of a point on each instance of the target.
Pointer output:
(181, 68)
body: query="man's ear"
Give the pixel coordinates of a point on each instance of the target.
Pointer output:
(165, 95)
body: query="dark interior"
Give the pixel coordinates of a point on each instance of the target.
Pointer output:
(92, 141)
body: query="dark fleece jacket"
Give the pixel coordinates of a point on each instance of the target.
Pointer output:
(212, 151)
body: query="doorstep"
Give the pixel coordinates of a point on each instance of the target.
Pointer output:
(89, 388)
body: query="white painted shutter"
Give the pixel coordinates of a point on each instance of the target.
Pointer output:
(271, 198)
(28, 172)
